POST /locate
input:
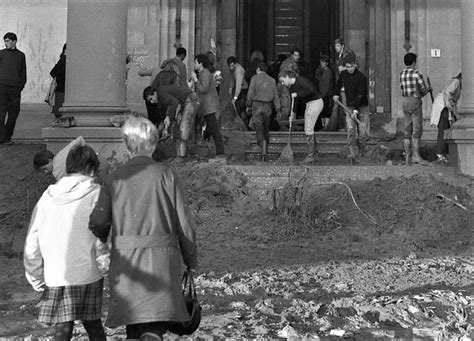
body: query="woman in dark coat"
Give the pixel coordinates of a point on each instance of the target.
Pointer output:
(59, 72)
(142, 205)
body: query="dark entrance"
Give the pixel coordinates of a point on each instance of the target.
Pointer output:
(277, 26)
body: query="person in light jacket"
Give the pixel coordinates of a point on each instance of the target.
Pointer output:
(142, 208)
(444, 113)
(59, 250)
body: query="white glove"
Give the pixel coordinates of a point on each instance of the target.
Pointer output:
(354, 113)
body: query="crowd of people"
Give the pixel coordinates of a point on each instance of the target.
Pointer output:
(187, 106)
(261, 95)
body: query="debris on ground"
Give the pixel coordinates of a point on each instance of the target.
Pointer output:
(337, 275)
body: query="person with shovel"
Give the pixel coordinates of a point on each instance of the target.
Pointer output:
(302, 88)
(355, 85)
(413, 89)
(174, 98)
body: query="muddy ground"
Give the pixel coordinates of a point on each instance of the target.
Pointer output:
(379, 259)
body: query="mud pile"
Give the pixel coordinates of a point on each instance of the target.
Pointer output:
(421, 212)
(212, 185)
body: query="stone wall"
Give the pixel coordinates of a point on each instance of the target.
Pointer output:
(435, 24)
(41, 29)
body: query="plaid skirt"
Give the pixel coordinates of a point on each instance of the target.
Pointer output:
(70, 303)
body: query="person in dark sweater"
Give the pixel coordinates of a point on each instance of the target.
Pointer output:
(59, 72)
(173, 98)
(355, 84)
(302, 88)
(12, 82)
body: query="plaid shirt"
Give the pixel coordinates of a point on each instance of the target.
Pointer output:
(412, 83)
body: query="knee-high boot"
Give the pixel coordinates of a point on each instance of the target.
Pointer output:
(407, 146)
(311, 157)
(264, 150)
(416, 157)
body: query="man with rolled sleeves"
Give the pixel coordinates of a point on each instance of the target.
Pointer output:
(413, 89)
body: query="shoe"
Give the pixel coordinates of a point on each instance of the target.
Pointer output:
(7, 142)
(416, 157)
(353, 160)
(64, 122)
(150, 337)
(441, 158)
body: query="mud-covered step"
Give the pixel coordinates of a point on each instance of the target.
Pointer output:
(298, 141)
(297, 149)
(300, 137)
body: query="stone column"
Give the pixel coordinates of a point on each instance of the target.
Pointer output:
(96, 53)
(461, 137)
(228, 45)
(95, 77)
(229, 28)
(355, 36)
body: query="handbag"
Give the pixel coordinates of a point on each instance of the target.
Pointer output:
(192, 306)
(50, 96)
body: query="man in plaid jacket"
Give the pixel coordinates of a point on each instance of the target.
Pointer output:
(413, 89)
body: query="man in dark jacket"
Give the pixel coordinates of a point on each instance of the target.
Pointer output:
(355, 85)
(12, 82)
(302, 88)
(173, 97)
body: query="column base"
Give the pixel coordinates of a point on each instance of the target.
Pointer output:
(461, 149)
(106, 141)
(94, 116)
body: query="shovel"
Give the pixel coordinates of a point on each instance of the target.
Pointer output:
(287, 153)
(348, 112)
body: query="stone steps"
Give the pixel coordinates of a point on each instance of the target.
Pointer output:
(328, 143)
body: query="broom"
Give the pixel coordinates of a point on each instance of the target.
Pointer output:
(287, 153)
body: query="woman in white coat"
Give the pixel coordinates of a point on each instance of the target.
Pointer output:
(444, 113)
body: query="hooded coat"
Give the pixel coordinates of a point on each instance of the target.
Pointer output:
(59, 247)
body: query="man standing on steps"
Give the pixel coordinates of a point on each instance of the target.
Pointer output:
(413, 89)
(262, 97)
(355, 84)
(238, 88)
(302, 87)
(12, 82)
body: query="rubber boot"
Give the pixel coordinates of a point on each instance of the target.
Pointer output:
(353, 151)
(407, 146)
(264, 151)
(311, 157)
(416, 157)
(180, 151)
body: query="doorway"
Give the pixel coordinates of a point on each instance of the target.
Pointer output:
(277, 26)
